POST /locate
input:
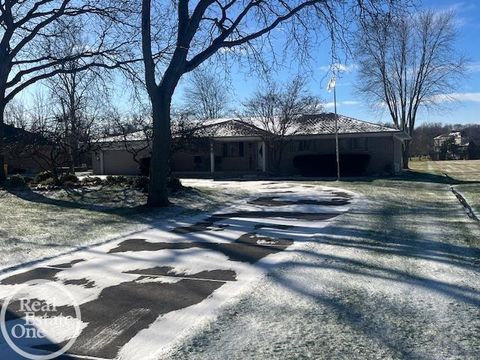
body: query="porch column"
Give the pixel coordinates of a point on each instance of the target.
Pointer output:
(264, 157)
(212, 158)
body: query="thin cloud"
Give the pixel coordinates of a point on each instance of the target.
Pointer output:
(331, 105)
(338, 67)
(457, 97)
(473, 67)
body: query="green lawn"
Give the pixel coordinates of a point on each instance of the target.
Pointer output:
(465, 173)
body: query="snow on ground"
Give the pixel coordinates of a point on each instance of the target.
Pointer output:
(142, 293)
(397, 277)
(37, 225)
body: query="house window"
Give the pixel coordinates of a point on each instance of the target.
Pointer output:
(359, 144)
(234, 149)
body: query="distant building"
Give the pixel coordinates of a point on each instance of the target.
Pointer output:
(241, 146)
(454, 146)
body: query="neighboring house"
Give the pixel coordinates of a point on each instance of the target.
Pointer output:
(240, 146)
(454, 146)
(17, 159)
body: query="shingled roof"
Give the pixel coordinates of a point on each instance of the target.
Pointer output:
(306, 125)
(317, 124)
(230, 127)
(321, 124)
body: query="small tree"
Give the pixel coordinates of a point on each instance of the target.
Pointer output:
(16, 115)
(205, 95)
(408, 62)
(135, 134)
(78, 97)
(45, 145)
(277, 110)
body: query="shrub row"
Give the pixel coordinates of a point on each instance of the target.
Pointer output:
(46, 179)
(326, 164)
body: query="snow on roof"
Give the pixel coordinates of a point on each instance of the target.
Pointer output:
(443, 136)
(316, 124)
(230, 128)
(135, 136)
(217, 121)
(324, 124)
(450, 134)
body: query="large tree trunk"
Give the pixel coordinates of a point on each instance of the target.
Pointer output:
(160, 161)
(2, 145)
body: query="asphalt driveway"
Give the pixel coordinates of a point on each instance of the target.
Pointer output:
(142, 294)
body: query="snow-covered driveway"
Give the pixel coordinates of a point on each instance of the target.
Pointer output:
(142, 294)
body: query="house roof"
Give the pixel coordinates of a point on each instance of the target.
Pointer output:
(225, 127)
(230, 127)
(443, 136)
(134, 136)
(316, 124)
(13, 134)
(324, 124)
(306, 125)
(451, 134)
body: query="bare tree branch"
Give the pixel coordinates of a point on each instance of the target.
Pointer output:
(407, 63)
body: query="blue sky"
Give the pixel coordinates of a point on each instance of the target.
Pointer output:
(465, 110)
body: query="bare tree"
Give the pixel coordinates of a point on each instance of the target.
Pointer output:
(40, 111)
(205, 95)
(28, 29)
(186, 132)
(44, 143)
(16, 114)
(178, 36)
(134, 132)
(277, 110)
(48, 141)
(409, 62)
(78, 97)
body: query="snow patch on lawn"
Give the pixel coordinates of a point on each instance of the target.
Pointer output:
(103, 269)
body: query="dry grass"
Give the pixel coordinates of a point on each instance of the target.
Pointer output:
(465, 172)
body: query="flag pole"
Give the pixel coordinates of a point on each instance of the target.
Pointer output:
(332, 84)
(337, 151)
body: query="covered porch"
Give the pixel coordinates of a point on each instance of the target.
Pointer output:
(237, 155)
(222, 156)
